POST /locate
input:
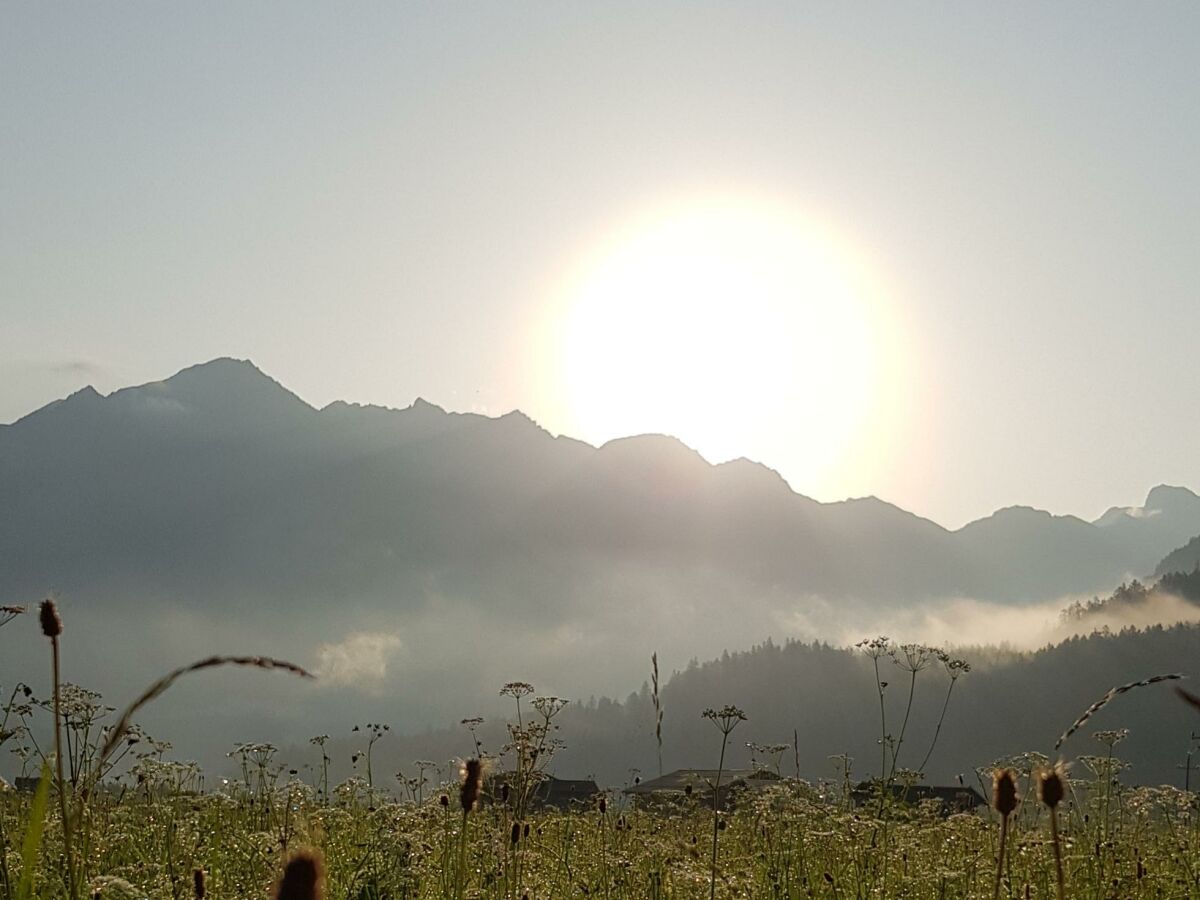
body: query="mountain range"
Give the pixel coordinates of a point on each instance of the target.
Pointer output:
(429, 556)
(220, 474)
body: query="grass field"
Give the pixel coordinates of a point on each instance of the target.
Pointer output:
(794, 840)
(113, 816)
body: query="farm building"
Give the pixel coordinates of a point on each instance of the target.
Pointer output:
(953, 798)
(559, 793)
(562, 793)
(698, 783)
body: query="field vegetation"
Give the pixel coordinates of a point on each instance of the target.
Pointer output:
(113, 815)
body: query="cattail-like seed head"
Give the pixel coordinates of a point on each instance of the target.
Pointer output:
(444, 800)
(526, 834)
(198, 884)
(51, 621)
(472, 777)
(303, 877)
(1004, 791)
(603, 805)
(516, 832)
(1051, 786)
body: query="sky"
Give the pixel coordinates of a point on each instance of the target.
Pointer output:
(944, 255)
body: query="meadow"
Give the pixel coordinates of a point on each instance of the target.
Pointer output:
(112, 815)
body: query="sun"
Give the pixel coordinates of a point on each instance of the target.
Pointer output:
(730, 325)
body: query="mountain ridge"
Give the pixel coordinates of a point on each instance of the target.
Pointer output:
(476, 491)
(219, 512)
(244, 371)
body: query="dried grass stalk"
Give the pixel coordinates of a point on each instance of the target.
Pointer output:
(159, 687)
(1104, 701)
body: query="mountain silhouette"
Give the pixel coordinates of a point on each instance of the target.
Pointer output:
(430, 556)
(221, 474)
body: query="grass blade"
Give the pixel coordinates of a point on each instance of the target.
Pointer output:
(33, 834)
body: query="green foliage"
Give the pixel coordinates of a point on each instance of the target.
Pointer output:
(34, 826)
(792, 840)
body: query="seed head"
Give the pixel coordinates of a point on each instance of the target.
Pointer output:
(472, 777)
(1004, 791)
(198, 884)
(51, 622)
(1052, 786)
(303, 877)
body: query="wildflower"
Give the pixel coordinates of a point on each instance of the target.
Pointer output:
(517, 689)
(726, 718)
(1112, 737)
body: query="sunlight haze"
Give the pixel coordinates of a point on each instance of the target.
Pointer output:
(429, 430)
(991, 212)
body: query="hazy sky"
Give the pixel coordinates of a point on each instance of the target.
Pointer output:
(410, 200)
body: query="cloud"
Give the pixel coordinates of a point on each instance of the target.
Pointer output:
(360, 659)
(967, 622)
(73, 367)
(79, 367)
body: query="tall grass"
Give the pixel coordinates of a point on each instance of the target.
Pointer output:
(152, 829)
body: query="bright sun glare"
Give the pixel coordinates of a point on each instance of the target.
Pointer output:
(727, 325)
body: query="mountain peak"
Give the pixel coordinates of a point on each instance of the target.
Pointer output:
(754, 474)
(661, 445)
(79, 400)
(227, 394)
(223, 368)
(421, 405)
(84, 396)
(516, 415)
(1021, 516)
(1169, 497)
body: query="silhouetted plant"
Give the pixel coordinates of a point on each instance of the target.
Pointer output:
(726, 719)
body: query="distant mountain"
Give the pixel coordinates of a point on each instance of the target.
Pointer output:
(220, 473)
(216, 509)
(1182, 559)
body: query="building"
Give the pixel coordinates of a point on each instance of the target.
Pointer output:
(562, 793)
(953, 798)
(699, 784)
(559, 793)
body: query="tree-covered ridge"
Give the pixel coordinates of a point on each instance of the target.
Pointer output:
(1182, 585)
(822, 701)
